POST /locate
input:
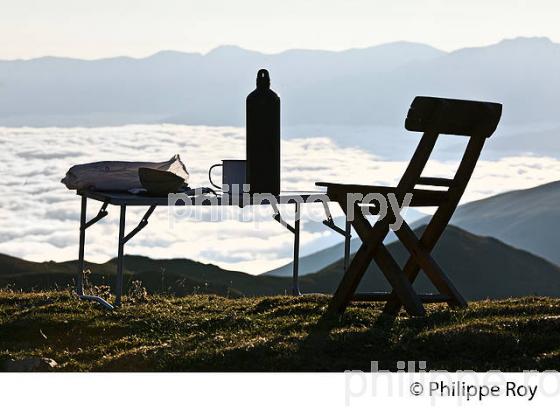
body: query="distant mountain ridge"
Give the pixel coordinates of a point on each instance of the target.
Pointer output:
(528, 219)
(176, 276)
(481, 267)
(354, 87)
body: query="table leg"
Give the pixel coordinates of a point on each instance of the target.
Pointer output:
(84, 224)
(346, 232)
(295, 285)
(81, 263)
(120, 279)
(347, 239)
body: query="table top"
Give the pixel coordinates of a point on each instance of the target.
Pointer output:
(125, 198)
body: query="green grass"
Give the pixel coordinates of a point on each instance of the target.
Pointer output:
(210, 333)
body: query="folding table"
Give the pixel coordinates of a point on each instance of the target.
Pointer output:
(122, 200)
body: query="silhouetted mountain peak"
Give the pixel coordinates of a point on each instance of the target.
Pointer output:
(528, 41)
(405, 45)
(171, 54)
(527, 219)
(518, 46)
(229, 51)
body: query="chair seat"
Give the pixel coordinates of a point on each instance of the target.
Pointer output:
(420, 197)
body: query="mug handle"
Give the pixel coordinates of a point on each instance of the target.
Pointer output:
(210, 174)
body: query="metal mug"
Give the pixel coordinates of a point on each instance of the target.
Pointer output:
(233, 174)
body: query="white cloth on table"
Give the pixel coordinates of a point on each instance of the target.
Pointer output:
(117, 175)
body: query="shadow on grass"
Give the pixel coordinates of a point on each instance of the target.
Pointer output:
(445, 340)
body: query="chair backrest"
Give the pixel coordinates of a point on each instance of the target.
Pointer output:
(434, 116)
(457, 117)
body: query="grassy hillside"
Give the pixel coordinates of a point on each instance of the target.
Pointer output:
(210, 333)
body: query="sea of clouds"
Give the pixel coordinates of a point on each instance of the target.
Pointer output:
(39, 217)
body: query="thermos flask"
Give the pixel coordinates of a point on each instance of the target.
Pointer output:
(263, 137)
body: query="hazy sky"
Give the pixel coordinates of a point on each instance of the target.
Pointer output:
(100, 28)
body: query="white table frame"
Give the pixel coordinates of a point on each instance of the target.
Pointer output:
(123, 200)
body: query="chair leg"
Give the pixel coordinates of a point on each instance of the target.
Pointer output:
(428, 240)
(436, 275)
(370, 237)
(373, 248)
(402, 287)
(350, 281)
(393, 304)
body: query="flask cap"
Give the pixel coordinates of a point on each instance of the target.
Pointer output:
(263, 79)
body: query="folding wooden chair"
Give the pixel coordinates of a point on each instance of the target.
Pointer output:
(432, 116)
